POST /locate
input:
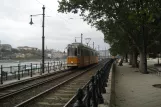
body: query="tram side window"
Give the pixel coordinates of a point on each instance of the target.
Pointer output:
(72, 51)
(79, 51)
(69, 51)
(75, 51)
(85, 53)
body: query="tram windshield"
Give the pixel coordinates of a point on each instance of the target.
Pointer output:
(72, 51)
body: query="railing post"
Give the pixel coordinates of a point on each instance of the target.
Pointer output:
(22, 72)
(10, 68)
(100, 98)
(64, 65)
(40, 69)
(94, 101)
(31, 69)
(79, 102)
(48, 67)
(18, 71)
(54, 66)
(103, 90)
(6, 75)
(1, 74)
(88, 96)
(57, 64)
(36, 67)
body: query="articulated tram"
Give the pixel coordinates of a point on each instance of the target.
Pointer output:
(80, 55)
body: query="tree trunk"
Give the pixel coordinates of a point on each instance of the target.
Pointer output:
(158, 59)
(130, 62)
(134, 59)
(142, 66)
(126, 58)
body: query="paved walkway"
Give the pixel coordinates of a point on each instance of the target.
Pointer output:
(134, 89)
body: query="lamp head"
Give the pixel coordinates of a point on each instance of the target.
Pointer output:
(31, 22)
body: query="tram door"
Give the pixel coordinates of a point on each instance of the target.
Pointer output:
(82, 58)
(78, 55)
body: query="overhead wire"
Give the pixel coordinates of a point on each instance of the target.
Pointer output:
(39, 2)
(62, 17)
(52, 11)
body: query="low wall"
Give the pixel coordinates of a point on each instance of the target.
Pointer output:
(109, 96)
(112, 90)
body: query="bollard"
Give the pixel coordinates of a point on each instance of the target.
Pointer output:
(79, 102)
(18, 71)
(1, 74)
(31, 69)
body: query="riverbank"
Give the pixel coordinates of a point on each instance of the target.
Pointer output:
(27, 60)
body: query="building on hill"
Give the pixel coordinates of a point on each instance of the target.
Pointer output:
(27, 48)
(7, 47)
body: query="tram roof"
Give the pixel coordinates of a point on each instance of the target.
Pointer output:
(80, 44)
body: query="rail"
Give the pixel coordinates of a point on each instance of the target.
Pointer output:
(28, 70)
(91, 94)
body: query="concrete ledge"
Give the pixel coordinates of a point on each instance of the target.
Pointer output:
(109, 96)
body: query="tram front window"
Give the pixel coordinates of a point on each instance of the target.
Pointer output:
(72, 51)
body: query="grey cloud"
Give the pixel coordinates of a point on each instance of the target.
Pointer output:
(59, 29)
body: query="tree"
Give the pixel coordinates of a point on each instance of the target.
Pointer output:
(15, 50)
(135, 20)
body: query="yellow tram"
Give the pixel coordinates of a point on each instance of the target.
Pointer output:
(80, 55)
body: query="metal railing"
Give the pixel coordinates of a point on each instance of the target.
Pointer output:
(91, 94)
(28, 70)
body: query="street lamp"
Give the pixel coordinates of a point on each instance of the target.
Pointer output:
(43, 37)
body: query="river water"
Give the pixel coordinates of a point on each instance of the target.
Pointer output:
(14, 63)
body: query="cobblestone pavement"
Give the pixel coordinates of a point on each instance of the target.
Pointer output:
(134, 89)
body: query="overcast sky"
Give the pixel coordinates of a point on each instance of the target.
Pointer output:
(60, 30)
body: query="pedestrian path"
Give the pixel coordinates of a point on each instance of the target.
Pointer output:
(134, 89)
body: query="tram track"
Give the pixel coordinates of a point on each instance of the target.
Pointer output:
(17, 88)
(16, 97)
(60, 94)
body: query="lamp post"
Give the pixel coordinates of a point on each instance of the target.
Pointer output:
(43, 37)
